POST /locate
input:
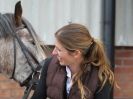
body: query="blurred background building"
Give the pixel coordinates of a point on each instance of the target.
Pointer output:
(108, 20)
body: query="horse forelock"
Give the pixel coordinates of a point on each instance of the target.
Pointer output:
(6, 20)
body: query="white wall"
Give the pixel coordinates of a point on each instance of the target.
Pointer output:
(47, 16)
(124, 23)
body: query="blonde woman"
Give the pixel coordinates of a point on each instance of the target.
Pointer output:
(78, 69)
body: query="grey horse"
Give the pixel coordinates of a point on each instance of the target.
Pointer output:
(21, 50)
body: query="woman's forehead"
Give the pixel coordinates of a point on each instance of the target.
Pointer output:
(58, 44)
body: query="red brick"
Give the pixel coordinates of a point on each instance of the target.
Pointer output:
(3, 78)
(124, 69)
(128, 62)
(5, 94)
(118, 62)
(124, 77)
(17, 93)
(124, 53)
(10, 89)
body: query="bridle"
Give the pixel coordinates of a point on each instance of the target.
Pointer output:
(24, 50)
(28, 55)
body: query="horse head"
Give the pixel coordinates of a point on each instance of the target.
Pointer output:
(20, 46)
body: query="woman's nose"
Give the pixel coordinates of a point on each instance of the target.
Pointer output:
(54, 52)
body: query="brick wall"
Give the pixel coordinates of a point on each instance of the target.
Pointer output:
(9, 89)
(123, 73)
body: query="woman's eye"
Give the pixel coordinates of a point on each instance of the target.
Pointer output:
(58, 50)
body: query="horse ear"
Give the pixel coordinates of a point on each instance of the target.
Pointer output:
(18, 14)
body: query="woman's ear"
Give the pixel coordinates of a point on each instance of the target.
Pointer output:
(77, 53)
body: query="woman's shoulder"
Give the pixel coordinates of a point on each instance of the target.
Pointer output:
(50, 64)
(48, 60)
(105, 92)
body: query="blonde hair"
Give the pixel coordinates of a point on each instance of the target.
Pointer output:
(76, 36)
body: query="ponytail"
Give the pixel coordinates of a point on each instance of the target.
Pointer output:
(100, 60)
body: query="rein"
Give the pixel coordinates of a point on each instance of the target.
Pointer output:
(14, 45)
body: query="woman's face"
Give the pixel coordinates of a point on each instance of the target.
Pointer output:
(64, 57)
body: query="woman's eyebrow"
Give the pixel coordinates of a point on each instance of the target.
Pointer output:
(57, 47)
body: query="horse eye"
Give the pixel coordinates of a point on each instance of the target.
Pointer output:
(32, 42)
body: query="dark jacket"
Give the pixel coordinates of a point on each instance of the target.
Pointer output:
(53, 82)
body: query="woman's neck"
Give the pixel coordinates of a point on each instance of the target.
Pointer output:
(75, 68)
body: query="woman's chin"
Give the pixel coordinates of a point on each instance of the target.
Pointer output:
(61, 63)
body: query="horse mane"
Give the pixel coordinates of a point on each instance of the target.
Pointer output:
(4, 25)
